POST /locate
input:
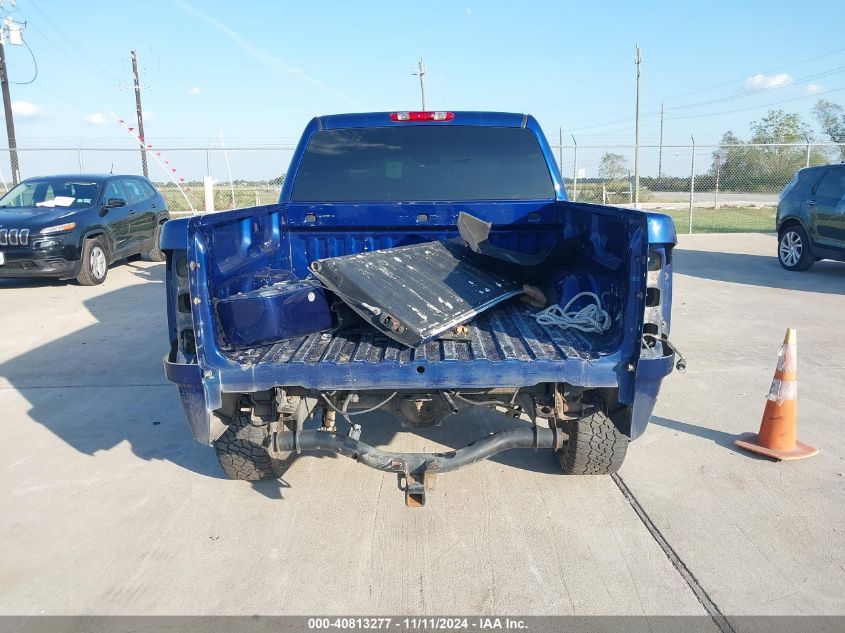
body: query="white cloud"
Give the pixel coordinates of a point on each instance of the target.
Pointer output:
(195, 90)
(96, 118)
(148, 115)
(814, 89)
(758, 81)
(468, 10)
(26, 109)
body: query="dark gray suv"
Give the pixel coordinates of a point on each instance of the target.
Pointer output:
(811, 217)
(75, 226)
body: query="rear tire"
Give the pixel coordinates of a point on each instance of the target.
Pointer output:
(245, 451)
(155, 253)
(595, 446)
(794, 251)
(95, 263)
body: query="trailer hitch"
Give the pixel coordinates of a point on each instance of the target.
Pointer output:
(416, 471)
(414, 487)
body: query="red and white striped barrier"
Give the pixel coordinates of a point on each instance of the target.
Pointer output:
(164, 164)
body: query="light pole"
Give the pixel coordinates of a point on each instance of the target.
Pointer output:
(637, 135)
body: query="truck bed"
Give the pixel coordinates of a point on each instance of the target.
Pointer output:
(501, 344)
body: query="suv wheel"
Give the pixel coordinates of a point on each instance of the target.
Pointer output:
(155, 253)
(95, 263)
(794, 248)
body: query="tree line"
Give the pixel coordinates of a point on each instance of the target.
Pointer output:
(763, 163)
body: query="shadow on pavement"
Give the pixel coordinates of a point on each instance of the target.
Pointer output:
(725, 440)
(759, 270)
(103, 384)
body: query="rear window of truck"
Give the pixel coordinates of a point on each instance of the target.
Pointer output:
(422, 163)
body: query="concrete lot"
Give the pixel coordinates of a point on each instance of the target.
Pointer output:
(107, 506)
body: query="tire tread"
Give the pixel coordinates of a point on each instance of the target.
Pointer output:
(244, 451)
(595, 446)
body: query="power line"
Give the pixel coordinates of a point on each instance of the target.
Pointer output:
(656, 113)
(733, 81)
(75, 57)
(756, 91)
(34, 63)
(771, 70)
(85, 52)
(812, 96)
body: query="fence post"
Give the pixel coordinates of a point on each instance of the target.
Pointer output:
(79, 156)
(574, 169)
(808, 149)
(718, 162)
(691, 184)
(560, 151)
(208, 193)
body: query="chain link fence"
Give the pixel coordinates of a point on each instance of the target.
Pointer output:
(241, 176)
(705, 188)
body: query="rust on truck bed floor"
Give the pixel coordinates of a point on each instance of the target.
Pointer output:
(508, 332)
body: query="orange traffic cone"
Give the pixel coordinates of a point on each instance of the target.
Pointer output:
(780, 418)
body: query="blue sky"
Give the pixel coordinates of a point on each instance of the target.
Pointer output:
(258, 71)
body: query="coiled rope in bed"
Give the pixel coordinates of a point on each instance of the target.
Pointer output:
(590, 318)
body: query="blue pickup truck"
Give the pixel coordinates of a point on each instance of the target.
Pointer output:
(268, 363)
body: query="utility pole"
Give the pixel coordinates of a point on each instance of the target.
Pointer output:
(574, 168)
(140, 112)
(660, 151)
(421, 72)
(637, 135)
(10, 122)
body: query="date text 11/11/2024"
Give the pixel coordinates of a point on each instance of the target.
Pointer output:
(417, 623)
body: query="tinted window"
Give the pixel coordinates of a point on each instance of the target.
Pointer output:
(113, 190)
(423, 162)
(134, 191)
(149, 190)
(832, 185)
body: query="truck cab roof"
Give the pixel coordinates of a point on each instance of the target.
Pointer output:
(377, 119)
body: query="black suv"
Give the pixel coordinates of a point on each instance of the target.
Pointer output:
(75, 226)
(811, 217)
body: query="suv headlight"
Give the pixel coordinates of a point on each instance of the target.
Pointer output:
(59, 228)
